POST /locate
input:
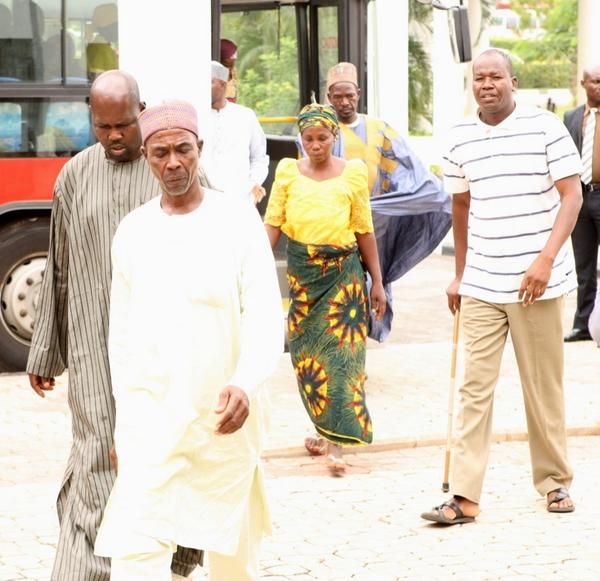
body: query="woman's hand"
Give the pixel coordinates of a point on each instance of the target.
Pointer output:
(378, 300)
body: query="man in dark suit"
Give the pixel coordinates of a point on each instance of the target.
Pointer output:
(582, 123)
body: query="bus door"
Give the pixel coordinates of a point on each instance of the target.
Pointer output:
(284, 51)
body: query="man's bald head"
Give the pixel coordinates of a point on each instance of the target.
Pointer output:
(591, 84)
(502, 54)
(592, 69)
(115, 84)
(115, 105)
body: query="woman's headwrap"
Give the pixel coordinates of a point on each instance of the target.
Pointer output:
(317, 115)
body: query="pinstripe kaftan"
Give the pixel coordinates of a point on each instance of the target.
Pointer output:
(92, 194)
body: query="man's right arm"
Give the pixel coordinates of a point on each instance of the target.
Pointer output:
(457, 183)
(460, 219)
(49, 344)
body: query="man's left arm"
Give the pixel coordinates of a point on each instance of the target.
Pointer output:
(535, 280)
(261, 328)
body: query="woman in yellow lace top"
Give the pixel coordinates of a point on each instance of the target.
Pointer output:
(322, 204)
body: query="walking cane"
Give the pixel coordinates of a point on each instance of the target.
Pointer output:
(445, 484)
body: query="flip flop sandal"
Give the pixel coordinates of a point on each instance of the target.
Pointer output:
(436, 514)
(315, 445)
(336, 466)
(559, 494)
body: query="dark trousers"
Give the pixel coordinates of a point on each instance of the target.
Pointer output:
(586, 237)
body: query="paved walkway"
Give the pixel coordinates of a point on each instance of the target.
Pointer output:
(366, 525)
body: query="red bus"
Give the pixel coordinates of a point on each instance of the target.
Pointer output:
(50, 51)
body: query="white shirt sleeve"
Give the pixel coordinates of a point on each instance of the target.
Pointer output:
(455, 180)
(262, 320)
(259, 160)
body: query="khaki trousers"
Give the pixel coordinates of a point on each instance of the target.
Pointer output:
(537, 336)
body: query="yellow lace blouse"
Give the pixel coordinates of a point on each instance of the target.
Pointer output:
(320, 212)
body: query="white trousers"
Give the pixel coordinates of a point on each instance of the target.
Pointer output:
(156, 565)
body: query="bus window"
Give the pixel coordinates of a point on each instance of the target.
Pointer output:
(35, 48)
(10, 128)
(267, 63)
(328, 45)
(44, 127)
(101, 40)
(66, 128)
(22, 39)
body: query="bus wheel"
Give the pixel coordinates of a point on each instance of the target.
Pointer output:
(24, 246)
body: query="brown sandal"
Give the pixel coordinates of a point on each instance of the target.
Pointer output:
(559, 494)
(436, 514)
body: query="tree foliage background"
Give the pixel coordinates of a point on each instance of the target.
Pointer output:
(268, 57)
(548, 61)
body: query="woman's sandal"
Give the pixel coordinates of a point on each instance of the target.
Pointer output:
(336, 465)
(315, 445)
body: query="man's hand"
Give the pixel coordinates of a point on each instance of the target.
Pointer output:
(114, 459)
(378, 300)
(234, 408)
(453, 296)
(41, 384)
(258, 193)
(535, 280)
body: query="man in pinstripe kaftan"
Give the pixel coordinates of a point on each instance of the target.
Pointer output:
(93, 192)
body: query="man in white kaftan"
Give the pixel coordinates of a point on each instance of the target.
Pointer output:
(93, 192)
(235, 150)
(195, 328)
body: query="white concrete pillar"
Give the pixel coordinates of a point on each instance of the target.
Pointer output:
(167, 50)
(449, 98)
(388, 62)
(587, 46)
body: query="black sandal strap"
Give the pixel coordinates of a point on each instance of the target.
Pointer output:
(454, 506)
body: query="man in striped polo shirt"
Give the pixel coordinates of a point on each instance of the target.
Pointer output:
(514, 175)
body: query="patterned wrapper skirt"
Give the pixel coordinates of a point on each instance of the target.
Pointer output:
(327, 324)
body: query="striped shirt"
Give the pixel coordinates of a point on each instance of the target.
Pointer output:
(509, 170)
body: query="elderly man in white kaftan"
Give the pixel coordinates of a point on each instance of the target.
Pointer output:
(195, 321)
(93, 192)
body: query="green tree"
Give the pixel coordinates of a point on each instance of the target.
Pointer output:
(267, 63)
(549, 61)
(420, 78)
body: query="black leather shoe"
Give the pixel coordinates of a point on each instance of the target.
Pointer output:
(578, 335)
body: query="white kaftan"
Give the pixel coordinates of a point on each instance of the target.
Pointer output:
(235, 151)
(195, 306)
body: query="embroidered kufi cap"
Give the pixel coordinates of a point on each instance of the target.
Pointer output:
(342, 73)
(168, 115)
